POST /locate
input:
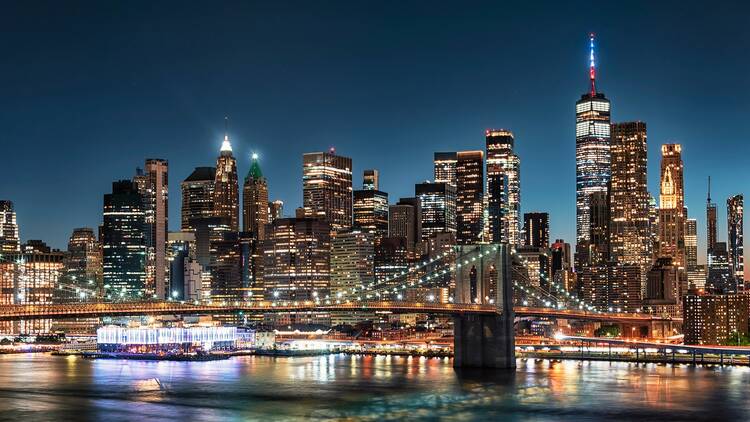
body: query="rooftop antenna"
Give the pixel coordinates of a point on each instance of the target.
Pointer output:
(592, 65)
(709, 190)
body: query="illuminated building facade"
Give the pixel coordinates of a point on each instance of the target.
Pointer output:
(255, 201)
(327, 188)
(226, 268)
(184, 269)
(503, 187)
(672, 205)
(352, 262)
(30, 277)
(8, 228)
(391, 258)
(404, 221)
(297, 258)
(208, 230)
(153, 185)
(371, 180)
(720, 278)
(536, 229)
(438, 208)
(469, 196)
(371, 211)
(735, 239)
(198, 195)
(275, 210)
(165, 340)
(226, 187)
(124, 242)
(445, 168)
(592, 153)
(628, 196)
(83, 262)
(715, 319)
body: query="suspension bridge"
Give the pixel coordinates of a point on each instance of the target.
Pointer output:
(490, 286)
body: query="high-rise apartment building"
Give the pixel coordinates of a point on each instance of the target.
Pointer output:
(438, 208)
(197, 195)
(8, 228)
(536, 229)
(715, 319)
(226, 187)
(469, 196)
(184, 270)
(124, 242)
(735, 239)
(711, 238)
(255, 201)
(153, 185)
(592, 153)
(503, 187)
(629, 236)
(327, 188)
(672, 205)
(445, 168)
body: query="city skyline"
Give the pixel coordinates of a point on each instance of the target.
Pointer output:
(398, 174)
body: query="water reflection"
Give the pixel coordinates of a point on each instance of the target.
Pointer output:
(43, 387)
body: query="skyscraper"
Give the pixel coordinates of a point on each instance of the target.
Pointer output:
(404, 221)
(592, 151)
(226, 187)
(445, 168)
(371, 180)
(735, 239)
(197, 195)
(275, 210)
(672, 205)
(153, 185)
(83, 262)
(469, 196)
(352, 265)
(8, 228)
(255, 201)
(628, 196)
(370, 207)
(710, 224)
(327, 188)
(536, 229)
(503, 187)
(124, 242)
(297, 259)
(438, 208)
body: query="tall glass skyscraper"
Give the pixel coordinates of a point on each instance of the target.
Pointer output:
(592, 151)
(327, 188)
(8, 228)
(735, 244)
(503, 187)
(153, 185)
(672, 205)
(469, 197)
(197, 195)
(124, 242)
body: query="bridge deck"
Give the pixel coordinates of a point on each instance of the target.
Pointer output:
(84, 310)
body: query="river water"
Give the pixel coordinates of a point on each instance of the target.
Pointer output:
(37, 387)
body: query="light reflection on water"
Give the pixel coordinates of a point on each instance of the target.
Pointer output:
(44, 387)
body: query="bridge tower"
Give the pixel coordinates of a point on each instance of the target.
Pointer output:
(483, 275)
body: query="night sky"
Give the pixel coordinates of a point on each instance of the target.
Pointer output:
(89, 90)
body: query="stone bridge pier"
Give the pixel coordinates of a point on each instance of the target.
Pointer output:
(484, 341)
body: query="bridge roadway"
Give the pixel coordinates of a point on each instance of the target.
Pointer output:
(94, 309)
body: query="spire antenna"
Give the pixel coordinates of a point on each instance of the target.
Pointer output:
(226, 127)
(592, 64)
(709, 190)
